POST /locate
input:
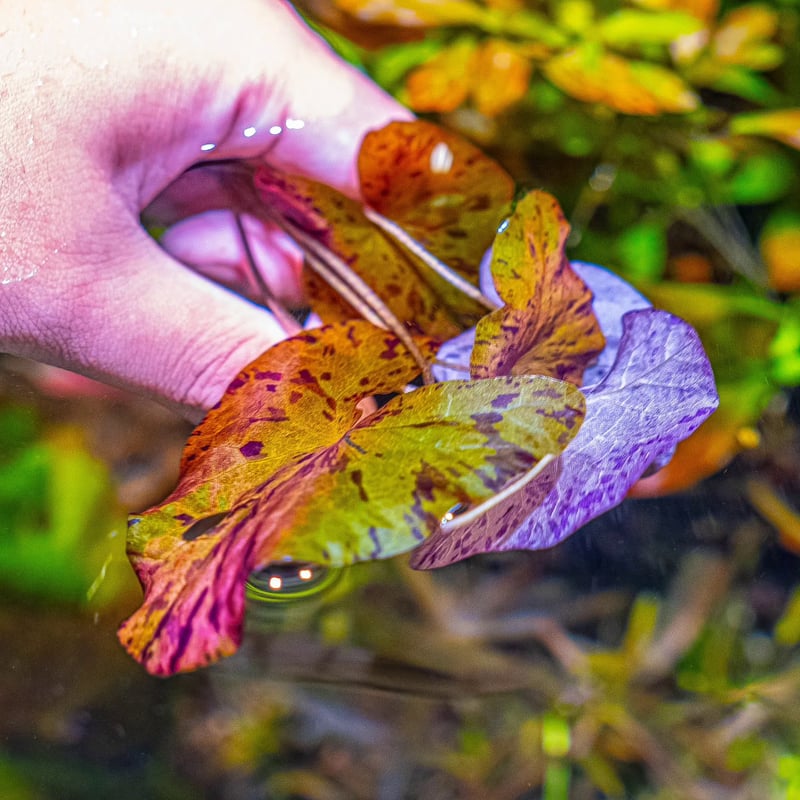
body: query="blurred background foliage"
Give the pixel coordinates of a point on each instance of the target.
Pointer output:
(654, 655)
(668, 129)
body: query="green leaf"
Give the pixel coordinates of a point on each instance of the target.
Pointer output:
(642, 250)
(761, 177)
(632, 27)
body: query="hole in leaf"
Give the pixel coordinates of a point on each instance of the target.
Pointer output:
(290, 580)
(202, 526)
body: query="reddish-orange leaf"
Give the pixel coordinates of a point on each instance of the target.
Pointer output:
(501, 79)
(547, 326)
(780, 249)
(441, 189)
(443, 82)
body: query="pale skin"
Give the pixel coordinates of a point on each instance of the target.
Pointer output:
(104, 105)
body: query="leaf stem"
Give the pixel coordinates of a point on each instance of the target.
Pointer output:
(353, 289)
(285, 319)
(439, 267)
(471, 514)
(452, 365)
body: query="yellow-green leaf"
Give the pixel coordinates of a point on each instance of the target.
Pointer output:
(630, 27)
(783, 125)
(547, 325)
(632, 87)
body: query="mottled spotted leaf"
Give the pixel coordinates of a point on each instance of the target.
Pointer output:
(546, 326)
(441, 189)
(284, 467)
(417, 296)
(659, 391)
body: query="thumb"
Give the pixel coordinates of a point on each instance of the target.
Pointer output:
(138, 319)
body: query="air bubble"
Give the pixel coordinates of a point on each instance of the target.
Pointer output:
(287, 581)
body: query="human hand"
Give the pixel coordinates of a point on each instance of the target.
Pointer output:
(103, 108)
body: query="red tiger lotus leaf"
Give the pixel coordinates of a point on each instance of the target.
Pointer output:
(547, 325)
(285, 466)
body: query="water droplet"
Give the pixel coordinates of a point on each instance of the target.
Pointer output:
(290, 580)
(458, 508)
(294, 124)
(503, 225)
(248, 132)
(207, 147)
(441, 159)
(275, 130)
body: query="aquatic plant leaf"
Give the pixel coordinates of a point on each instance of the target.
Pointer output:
(546, 326)
(612, 298)
(437, 186)
(702, 9)
(495, 74)
(633, 87)
(501, 78)
(743, 35)
(416, 295)
(659, 391)
(443, 82)
(284, 468)
(780, 250)
(415, 13)
(782, 125)
(633, 28)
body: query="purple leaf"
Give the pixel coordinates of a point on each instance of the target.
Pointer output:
(613, 298)
(658, 391)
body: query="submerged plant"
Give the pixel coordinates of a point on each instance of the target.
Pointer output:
(498, 448)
